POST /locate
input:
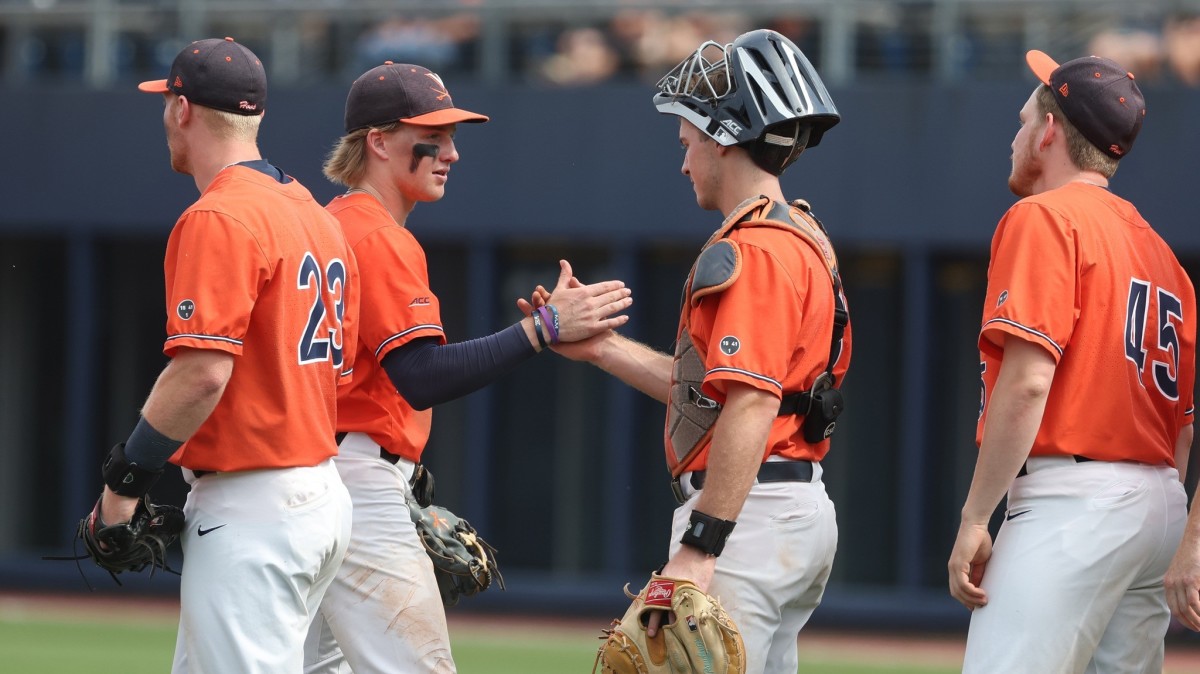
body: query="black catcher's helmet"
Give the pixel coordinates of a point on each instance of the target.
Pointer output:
(759, 83)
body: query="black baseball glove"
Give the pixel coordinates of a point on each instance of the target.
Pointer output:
(134, 545)
(462, 561)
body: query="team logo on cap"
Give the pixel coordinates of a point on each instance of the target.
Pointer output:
(730, 345)
(185, 309)
(440, 88)
(178, 83)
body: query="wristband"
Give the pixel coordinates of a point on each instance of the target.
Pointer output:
(706, 533)
(126, 478)
(554, 311)
(551, 328)
(537, 328)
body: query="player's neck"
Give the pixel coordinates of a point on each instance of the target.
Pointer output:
(750, 186)
(219, 156)
(391, 200)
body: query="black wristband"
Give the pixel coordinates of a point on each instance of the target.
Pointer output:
(126, 478)
(707, 534)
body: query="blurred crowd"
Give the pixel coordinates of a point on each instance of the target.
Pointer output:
(896, 39)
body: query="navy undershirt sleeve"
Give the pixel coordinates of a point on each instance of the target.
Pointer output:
(427, 373)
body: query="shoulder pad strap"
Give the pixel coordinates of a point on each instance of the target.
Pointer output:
(716, 269)
(798, 220)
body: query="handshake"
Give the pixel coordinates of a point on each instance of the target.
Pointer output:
(575, 318)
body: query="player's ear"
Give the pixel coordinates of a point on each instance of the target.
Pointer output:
(375, 143)
(1050, 129)
(183, 110)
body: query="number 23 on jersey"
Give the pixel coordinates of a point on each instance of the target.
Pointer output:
(322, 338)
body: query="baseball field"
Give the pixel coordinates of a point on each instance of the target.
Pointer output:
(107, 635)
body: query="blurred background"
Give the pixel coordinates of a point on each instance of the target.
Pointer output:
(557, 465)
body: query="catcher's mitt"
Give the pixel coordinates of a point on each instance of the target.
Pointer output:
(462, 561)
(697, 636)
(132, 545)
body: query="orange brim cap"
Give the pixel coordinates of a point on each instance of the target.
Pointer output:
(445, 116)
(154, 87)
(1041, 64)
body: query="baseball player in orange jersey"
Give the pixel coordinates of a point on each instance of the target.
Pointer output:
(749, 413)
(384, 612)
(1084, 295)
(261, 300)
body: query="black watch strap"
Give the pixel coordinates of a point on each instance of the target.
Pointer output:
(707, 533)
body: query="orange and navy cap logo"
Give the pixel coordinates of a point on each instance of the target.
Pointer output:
(440, 88)
(1064, 90)
(178, 83)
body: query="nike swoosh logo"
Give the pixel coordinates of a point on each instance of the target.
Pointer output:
(202, 531)
(1006, 517)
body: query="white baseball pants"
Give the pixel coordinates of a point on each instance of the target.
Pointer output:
(384, 609)
(1075, 582)
(773, 572)
(260, 548)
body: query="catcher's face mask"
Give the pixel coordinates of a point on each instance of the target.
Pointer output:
(738, 92)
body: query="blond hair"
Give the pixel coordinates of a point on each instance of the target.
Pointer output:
(230, 125)
(347, 162)
(1083, 154)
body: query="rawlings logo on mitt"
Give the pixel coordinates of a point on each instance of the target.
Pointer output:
(462, 561)
(697, 635)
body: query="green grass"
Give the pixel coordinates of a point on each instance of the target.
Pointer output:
(62, 647)
(96, 646)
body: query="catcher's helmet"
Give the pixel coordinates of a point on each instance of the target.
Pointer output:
(759, 81)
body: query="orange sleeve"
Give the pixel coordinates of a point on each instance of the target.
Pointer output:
(214, 270)
(748, 319)
(1032, 291)
(398, 305)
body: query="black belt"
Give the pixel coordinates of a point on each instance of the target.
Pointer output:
(1078, 459)
(771, 471)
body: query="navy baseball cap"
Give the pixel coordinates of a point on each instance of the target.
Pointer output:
(1098, 97)
(218, 74)
(402, 92)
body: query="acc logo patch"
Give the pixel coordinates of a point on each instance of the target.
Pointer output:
(185, 309)
(1002, 299)
(730, 345)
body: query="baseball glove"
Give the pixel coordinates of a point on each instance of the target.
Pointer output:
(462, 561)
(134, 545)
(697, 636)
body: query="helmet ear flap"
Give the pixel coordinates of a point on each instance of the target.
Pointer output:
(781, 145)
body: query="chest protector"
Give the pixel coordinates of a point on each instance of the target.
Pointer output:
(690, 414)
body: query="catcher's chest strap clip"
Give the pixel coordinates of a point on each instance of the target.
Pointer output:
(677, 490)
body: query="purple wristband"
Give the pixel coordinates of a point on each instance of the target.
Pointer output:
(551, 332)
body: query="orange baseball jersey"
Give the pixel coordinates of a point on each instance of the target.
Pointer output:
(258, 269)
(398, 308)
(1077, 271)
(770, 329)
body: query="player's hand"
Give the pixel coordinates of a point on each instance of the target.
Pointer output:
(688, 563)
(587, 349)
(116, 509)
(1183, 584)
(588, 310)
(968, 560)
